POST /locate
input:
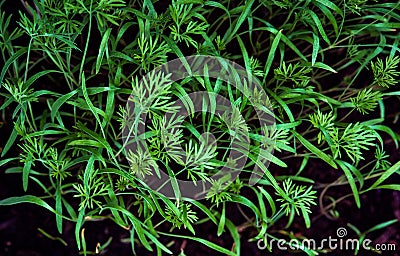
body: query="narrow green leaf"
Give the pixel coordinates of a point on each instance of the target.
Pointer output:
(351, 181)
(246, 202)
(271, 54)
(25, 173)
(265, 154)
(315, 49)
(59, 208)
(78, 226)
(12, 138)
(330, 17)
(26, 199)
(331, 5)
(315, 150)
(59, 102)
(382, 225)
(235, 235)
(102, 49)
(204, 209)
(263, 211)
(221, 224)
(390, 186)
(150, 7)
(321, 66)
(218, 5)
(92, 108)
(15, 56)
(283, 104)
(158, 243)
(243, 16)
(319, 26)
(306, 217)
(270, 200)
(70, 209)
(5, 161)
(36, 76)
(389, 131)
(86, 143)
(386, 175)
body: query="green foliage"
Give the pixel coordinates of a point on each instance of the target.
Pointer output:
(185, 217)
(184, 27)
(70, 66)
(152, 94)
(366, 100)
(352, 139)
(297, 199)
(386, 74)
(141, 162)
(152, 53)
(219, 192)
(91, 188)
(294, 73)
(355, 6)
(324, 122)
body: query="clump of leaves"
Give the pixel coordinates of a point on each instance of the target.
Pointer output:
(294, 73)
(386, 73)
(219, 192)
(297, 200)
(324, 122)
(183, 217)
(353, 139)
(366, 100)
(70, 68)
(92, 189)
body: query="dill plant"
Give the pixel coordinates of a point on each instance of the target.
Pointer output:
(70, 66)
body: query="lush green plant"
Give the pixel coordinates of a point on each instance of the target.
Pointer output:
(70, 66)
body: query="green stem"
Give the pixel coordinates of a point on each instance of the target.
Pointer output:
(87, 42)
